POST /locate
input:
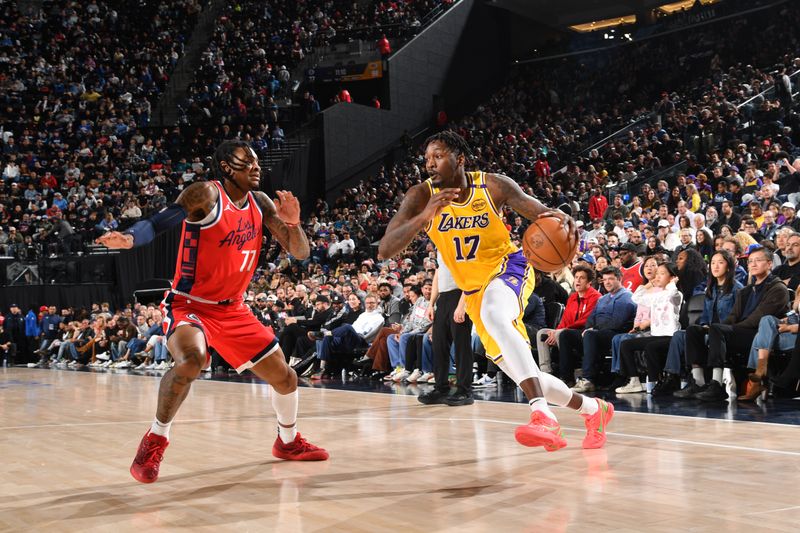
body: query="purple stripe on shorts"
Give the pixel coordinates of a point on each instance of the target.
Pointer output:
(514, 272)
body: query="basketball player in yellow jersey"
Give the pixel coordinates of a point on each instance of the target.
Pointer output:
(460, 211)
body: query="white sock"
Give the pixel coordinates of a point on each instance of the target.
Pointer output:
(699, 376)
(285, 406)
(588, 406)
(540, 404)
(716, 375)
(159, 428)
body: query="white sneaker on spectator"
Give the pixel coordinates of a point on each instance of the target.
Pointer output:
(484, 381)
(141, 367)
(390, 377)
(425, 377)
(107, 363)
(124, 364)
(102, 356)
(294, 360)
(161, 366)
(401, 376)
(171, 364)
(583, 385)
(431, 379)
(414, 375)
(633, 386)
(151, 366)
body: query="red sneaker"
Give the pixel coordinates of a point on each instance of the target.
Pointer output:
(541, 431)
(298, 450)
(596, 425)
(148, 458)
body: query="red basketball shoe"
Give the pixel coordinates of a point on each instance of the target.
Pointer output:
(541, 431)
(596, 425)
(298, 450)
(148, 458)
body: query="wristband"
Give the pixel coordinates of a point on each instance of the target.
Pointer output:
(289, 224)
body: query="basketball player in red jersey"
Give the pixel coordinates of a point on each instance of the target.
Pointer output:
(220, 244)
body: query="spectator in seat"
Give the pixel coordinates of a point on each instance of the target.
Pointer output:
(580, 305)
(415, 323)
(789, 271)
(631, 266)
(720, 294)
(653, 335)
(766, 295)
(346, 338)
(299, 326)
(613, 314)
(773, 333)
(641, 297)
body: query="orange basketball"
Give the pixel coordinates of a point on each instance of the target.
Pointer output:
(548, 245)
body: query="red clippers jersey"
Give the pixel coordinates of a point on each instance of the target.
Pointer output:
(218, 254)
(631, 276)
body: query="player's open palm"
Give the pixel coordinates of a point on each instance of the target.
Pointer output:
(115, 240)
(287, 206)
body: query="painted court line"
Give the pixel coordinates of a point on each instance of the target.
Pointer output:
(419, 419)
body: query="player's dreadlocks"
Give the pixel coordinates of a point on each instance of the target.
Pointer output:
(453, 141)
(225, 152)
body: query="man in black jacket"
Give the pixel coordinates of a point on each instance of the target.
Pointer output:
(8, 350)
(14, 326)
(340, 314)
(297, 327)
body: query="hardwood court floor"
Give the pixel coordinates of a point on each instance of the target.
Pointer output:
(68, 439)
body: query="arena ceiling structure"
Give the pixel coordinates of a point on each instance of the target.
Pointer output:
(570, 12)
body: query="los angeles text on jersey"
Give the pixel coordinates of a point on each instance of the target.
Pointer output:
(244, 233)
(448, 222)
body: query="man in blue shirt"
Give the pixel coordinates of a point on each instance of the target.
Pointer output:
(613, 314)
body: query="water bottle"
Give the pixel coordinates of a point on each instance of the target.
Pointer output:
(344, 375)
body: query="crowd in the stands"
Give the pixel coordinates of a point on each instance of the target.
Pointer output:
(695, 269)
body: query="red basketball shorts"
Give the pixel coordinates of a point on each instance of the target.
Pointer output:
(231, 329)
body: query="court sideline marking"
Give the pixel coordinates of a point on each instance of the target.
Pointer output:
(416, 419)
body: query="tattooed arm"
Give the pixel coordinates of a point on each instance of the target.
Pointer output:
(506, 191)
(282, 218)
(417, 209)
(194, 203)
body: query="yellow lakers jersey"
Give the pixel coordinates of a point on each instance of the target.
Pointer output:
(471, 236)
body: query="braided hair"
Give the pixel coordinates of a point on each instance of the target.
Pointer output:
(225, 152)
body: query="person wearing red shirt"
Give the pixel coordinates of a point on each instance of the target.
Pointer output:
(48, 181)
(542, 167)
(384, 47)
(580, 305)
(597, 204)
(344, 96)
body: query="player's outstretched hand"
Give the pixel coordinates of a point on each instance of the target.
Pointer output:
(115, 240)
(288, 207)
(565, 219)
(439, 201)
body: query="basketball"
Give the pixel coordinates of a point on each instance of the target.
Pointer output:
(548, 245)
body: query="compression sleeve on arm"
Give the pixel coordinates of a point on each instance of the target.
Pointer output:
(146, 230)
